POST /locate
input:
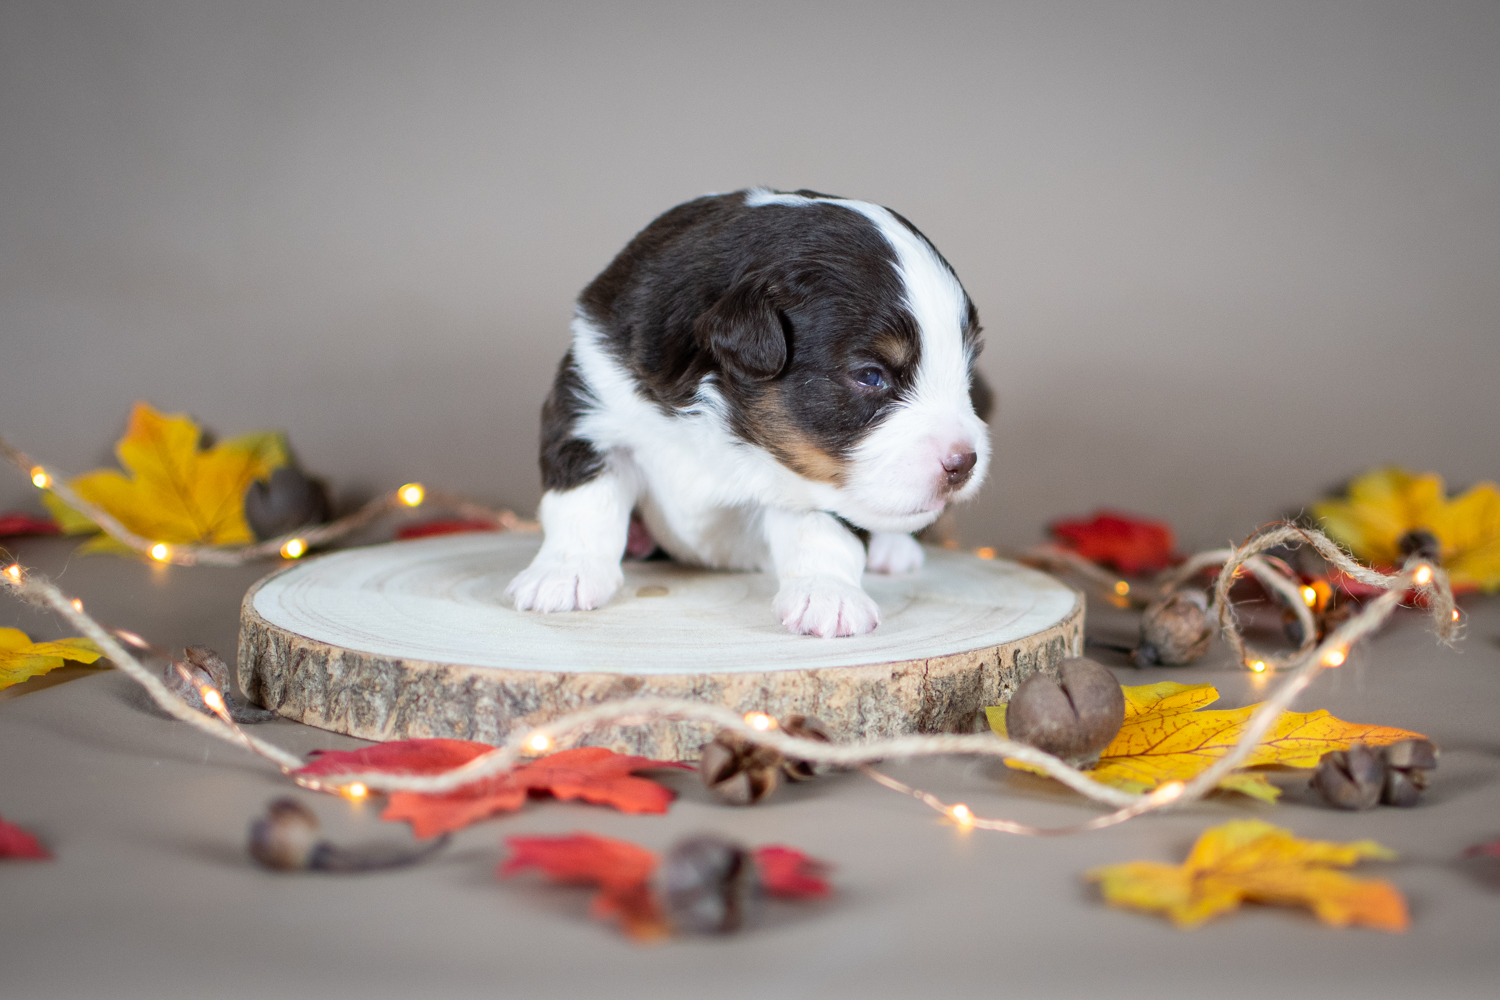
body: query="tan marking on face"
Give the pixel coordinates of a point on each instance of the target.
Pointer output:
(896, 350)
(774, 431)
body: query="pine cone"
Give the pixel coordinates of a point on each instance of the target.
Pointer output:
(1175, 630)
(806, 727)
(738, 771)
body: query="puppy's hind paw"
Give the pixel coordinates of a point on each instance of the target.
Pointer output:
(565, 585)
(826, 607)
(894, 554)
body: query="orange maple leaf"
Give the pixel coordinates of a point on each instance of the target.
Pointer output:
(620, 869)
(1167, 737)
(1251, 860)
(592, 774)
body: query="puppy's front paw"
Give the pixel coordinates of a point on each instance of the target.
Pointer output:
(565, 584)
(894, 554)
(821, 605)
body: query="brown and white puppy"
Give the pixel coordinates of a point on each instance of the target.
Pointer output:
(753, 374)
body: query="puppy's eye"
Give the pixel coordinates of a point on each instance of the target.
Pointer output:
(870, 377)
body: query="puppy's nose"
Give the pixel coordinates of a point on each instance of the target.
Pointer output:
(958, 465)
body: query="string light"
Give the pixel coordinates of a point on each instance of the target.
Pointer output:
(77, 604)
(1310, 597)
(962, 815)
(1423, 576)
(295, 548)
(1455, 614)
(1170, 792)
(13, 573)
(1122, 588)
(160, 552)
(356, 790)
(412, 494)
(1259, 666)
(759, 721)
(215, 702)
(1334, 657)
(539, 743)
(985, 553)
(39, 478)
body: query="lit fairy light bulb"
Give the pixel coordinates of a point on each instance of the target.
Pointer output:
(215, 702)
(1334, 657)
(1455, 614)
(40, 479)
(1170, 792)
(356, 790)
(1259, 666)
(412, 494)
(1423, 576)
(539, 743)
(295, 548)
(13, 573)
(160, 552)
(962, 815)
(1310, 596)
(759, 721)
(985, 553)
(77, 604)
(1122, 588)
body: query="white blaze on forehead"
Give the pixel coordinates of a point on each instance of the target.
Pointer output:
(933, 295)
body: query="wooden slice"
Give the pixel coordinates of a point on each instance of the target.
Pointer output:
(415, 639)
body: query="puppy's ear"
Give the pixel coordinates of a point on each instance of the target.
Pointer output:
(743, 330)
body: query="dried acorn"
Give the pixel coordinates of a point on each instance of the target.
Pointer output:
(805, 727)
(1421, 542)
(1406, 767)
(1350, 779)
(289, 500)
(1174, 630)
(286, 839)
(738, 771)
(1074, 717)
(708, 885)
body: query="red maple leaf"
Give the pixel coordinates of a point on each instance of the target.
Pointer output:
(1490, 850)
(592, 774)
(17, 843)
(1131, 545)
(24, 524)
(444, 527)
(620, 869)
(788, 873)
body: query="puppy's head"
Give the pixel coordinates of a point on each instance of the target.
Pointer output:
(847, 349)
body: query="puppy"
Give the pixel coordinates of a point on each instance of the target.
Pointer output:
(757, 374)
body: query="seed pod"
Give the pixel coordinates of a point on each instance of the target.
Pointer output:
(285, 839)
(201, 666)
(1350, 779)
(738, 771)
(708, 885)
(1074, 718)
(1174, 630)
(289, 500)
(1406, 767)
(806, 727)
(1420, 541)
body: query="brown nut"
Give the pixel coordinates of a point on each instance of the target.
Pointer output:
(1350, 779)
(284, 839)
(806, 727)
(1174, 630)
(708, 885)
(1074, 717)
(1406, 767)
(738, 771)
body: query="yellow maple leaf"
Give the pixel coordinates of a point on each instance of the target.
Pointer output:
(1167, 737)
(1248, 859)
(20, 658)
(1384, 504)
(177, 492)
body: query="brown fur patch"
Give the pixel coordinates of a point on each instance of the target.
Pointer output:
(771, 427)
(897, 351)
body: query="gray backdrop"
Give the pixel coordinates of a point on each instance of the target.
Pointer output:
(1227, 253)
